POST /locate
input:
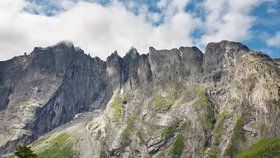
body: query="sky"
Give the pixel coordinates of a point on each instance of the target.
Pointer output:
(100, 27)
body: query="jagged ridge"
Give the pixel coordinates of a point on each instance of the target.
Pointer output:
(224, 79)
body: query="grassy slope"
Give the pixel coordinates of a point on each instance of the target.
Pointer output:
(266, 148)
(60, 147)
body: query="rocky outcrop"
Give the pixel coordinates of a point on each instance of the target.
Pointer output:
(167, 103)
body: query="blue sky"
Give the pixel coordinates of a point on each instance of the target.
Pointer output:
(266, 26)
(102, 26)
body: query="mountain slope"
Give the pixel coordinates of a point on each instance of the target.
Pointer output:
(167, 103)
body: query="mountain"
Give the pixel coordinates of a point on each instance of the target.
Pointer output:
(167, 103)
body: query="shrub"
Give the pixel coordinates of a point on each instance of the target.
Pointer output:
(25, 152)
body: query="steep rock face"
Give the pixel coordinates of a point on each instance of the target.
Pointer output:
(179, 65)
(26, 88)
(229, 102)
(48, 88)
(84, 88)
(221, 56)
(167, 103)
(134, 121)
(245, 92)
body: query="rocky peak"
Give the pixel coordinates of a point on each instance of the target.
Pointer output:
(132, 53)
(61, 47)
(62, 51)
(191, 61)
(191, 54)
(219, 57)
(114, 64)
(113, 56)
(56, 58)
(152, 49)
(190, 50)
(50, 86)
(229, 45)
(161, 56)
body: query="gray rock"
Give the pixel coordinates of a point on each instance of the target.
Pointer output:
(142, 97)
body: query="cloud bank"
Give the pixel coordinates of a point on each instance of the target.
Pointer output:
(101, 29)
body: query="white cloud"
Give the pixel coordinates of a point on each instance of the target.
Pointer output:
(97, 29)
(229, 20)
(274, 41)
(100, 29)
(170, 8)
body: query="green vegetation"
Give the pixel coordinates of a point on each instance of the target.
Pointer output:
(245, 60)
(169, 131)
(178, 146)
(203, 99)
(162, 103)
(238, 136)
(41, 140)
(140, 138)
(127, 132)
(60, 147)
(238, 130)
(218, 131)
(103, 155)
(266, 148)
(213, 153)
(60, 138)
(209, 115)
(25, 152)
(263, 129)
(134, 118)
(118, 105)
(248, 59)
(232, 150)
(208, 107)
(186, 125)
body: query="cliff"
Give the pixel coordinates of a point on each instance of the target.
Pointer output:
(167, 103)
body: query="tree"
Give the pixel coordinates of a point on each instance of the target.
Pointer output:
(25, 152)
